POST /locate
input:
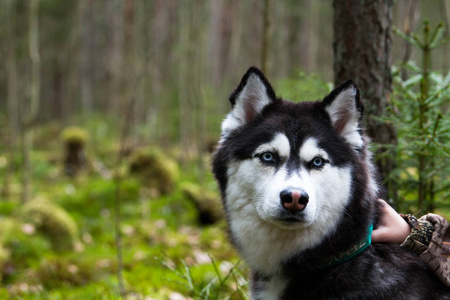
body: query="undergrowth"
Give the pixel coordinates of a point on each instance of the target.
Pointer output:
(158, 229)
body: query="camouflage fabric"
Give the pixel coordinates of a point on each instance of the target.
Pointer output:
(430, 238)
(421, 233)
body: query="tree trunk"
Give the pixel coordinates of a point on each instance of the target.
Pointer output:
(217, 40)
(362, 46)
(445, 11)
(87, 67)
(266, 37)
(184, 84)
(72, 69)
(13, 116)
(410, 21)
(304, 37)
(35, 91)
(114, 52)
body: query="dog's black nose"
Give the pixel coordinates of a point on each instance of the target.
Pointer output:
(294, 199)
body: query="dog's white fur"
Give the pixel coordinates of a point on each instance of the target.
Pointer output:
(271, 289)
(279, 144)
(343, 107)
(253, 202)
(252, 99)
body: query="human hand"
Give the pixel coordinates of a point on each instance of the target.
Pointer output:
(391, 226)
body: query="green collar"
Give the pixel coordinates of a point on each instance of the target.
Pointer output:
(348, 254)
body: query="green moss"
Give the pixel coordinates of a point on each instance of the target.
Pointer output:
(155, 169)
(75, 135)
(208, 204)
(7, 226)
(57, 271)
(4, 255)
(52, 221)
(20, 247)
(87, 201)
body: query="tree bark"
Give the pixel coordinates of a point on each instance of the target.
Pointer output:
(87, 64)
(35, 91)
(304, 36)
(410, 21)
(266, 37)
(217, 40)
(114, 52)
(445, 11)
(13, 115)
(362, 47)
(184, 85)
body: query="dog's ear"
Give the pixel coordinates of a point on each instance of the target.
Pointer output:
(252, 95)
(345, 110)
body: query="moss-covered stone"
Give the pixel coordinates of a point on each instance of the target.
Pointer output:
(208, 204)
(154, 169)
(74, 139)
(52, 221)
(75, 135)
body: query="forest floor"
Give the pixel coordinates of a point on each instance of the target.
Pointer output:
(167, 253)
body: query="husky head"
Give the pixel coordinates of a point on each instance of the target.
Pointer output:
(291, 175)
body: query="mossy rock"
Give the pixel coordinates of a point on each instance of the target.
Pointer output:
(75, 135)
(154, 169)
(74, 139)
(53, 222)
(207, 203)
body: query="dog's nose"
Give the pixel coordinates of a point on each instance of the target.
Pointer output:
(294, 199)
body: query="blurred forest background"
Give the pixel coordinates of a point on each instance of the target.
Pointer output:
(109, 111)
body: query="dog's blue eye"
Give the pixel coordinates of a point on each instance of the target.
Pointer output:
(318, 162)
(267, 157)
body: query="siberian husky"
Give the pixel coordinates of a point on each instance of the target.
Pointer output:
(299, 190)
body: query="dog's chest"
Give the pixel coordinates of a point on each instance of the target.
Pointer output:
(271, 289)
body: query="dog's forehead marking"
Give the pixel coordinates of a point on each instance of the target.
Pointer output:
(279, 143)
(310, 149)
